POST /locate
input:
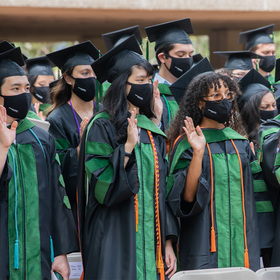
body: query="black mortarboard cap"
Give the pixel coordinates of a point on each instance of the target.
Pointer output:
(197, 57)
(53, 83)
(171, 32)
(238, 59)
(10, 62)
(257, 36)
(39, 66)
(81, 54)
(277, 70)
(6, 46)
(117, 60)
(114, 38)
(179, 87)
(252, 83)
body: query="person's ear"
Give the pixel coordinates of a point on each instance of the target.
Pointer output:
(68, 79)
(162, 58)
(201, 105)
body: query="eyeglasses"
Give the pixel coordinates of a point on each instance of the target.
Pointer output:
(218, 97)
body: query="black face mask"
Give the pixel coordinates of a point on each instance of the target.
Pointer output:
(267, 63)
(179, 65)
(218, 112)
(141, 95)
(266, 115)
(17, 106)
(85, 88)
(42, 94)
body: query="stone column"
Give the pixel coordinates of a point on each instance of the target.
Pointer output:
(223, 40)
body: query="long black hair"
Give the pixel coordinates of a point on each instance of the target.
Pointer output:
(250, 114)
(189, 105)
(115, 99)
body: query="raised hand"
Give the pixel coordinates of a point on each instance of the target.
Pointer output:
(39, 114)
(132, 132)
(194, 135)
(252, 148)
(82, 129)
(158, 106)
(7, 136)
(83, 126)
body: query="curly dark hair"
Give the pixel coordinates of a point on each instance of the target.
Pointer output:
(189, 105)
(250, 114)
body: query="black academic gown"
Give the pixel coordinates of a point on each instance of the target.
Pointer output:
(195, 218)
(269, 133)
(44, 221)
(111, 248)
(64, 129)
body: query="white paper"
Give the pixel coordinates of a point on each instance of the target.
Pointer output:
(76, 269)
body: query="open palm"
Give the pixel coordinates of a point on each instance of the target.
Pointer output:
(194, 135)
(7, 136)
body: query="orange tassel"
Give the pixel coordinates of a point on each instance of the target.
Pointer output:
(82, 276)
(213, 240)
(159, 260)
(136, 212)
(246, 258)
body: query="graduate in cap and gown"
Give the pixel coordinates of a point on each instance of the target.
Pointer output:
(174, 52)
(257, 105)
(238, 63)
(269, 133)
(73, 106)
(5, 46)
(260, 41)
(112, 39)
(210, 182)
(40, 75)
(126, 229)
(37, 228)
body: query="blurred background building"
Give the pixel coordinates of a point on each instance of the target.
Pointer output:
(42, 26)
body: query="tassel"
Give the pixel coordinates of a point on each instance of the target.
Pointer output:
(213, 240)
(159, 264)
(16, 256)
(52, 252)
(136, 212)
(246, 258)
(147, 49)
(82, 276)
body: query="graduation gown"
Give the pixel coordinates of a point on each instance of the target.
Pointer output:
(227, 211)
(35, 209)
(170, 106)
(64, 129)
(112, 247)
(269, 133)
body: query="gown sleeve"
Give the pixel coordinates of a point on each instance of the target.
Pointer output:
(110, 182)
(64, 232)
(176, 183)
(4, 244)
(67, 151)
